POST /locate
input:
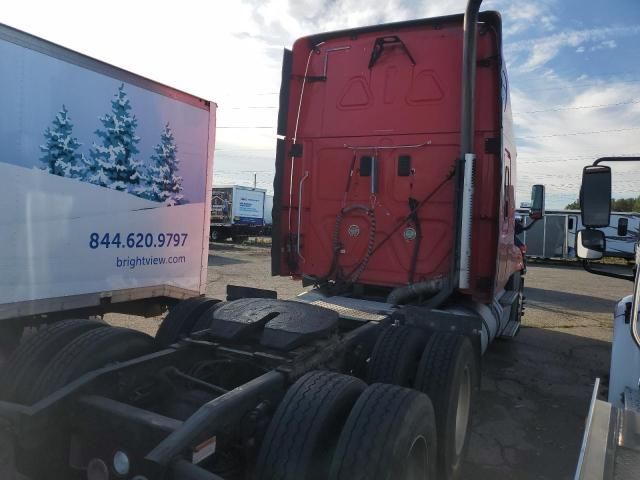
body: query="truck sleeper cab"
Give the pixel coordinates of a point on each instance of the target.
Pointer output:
(368, 166)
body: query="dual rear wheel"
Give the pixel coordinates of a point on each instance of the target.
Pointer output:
(409, 423)
(333, 426)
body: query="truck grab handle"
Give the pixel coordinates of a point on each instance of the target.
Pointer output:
(635, 333)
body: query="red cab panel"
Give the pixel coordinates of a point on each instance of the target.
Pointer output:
(371, 125)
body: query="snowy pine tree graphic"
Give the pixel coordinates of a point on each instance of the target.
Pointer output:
(163, 184)
(59, 152)
(113, 164)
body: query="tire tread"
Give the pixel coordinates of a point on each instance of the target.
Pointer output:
(378, 417)
(77, 358)
(33, 354)
(389, 357)
(286, 445)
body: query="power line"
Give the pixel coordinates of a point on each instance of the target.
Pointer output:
(248, 107)
(630, 102)
(566, 72)
(245, 149)
(261, 172)
(240, 127)
(578, 133)
(579, 158)
(581, 154)
(580, 85)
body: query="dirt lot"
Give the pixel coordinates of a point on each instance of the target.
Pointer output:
(529, 416)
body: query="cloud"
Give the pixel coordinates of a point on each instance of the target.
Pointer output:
(519, 16)
(550, 152)
(604, 45)
(231, 54)
(539, 51)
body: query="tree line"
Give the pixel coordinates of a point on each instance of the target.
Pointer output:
(617, 205)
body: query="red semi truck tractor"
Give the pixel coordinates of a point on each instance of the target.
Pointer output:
(394, 198)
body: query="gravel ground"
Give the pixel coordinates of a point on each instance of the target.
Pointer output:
(529, 415)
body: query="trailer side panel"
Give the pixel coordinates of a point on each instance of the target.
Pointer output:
(104, 176)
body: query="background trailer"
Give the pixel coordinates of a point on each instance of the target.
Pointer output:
(554, 236)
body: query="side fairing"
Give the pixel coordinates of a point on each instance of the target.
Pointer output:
(509, 257)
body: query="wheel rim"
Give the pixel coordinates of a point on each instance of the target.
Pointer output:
(417, 460)
(462, 411)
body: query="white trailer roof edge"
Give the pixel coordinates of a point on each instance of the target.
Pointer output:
(206, 221)
(26, 40)
(240, 186)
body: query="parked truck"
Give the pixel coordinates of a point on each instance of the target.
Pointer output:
(268, 215)
(555, 236)
(236, 212)
(105, 181)
(394, 198)
(611, 442)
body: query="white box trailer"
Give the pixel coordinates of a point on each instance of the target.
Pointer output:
(268, 210)
(236, 211)
(555, 235)
(268, 215)
(105, 185)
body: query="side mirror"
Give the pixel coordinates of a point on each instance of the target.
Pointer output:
(623, 227)
(537, 202)
(595, 196)
(590, 244)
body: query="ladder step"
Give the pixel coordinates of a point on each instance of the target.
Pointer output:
(510, 330)
(508, 297)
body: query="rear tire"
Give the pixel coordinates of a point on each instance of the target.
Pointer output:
(10, 336)
(91, 350)
(181, 319)
(448, 374)
(390, 434)
(34, 353)
(355, 360)
(218, 234)
(205, 319)
(303, 433)
(396, 355)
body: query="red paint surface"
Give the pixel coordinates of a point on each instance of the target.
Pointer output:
(392, 104)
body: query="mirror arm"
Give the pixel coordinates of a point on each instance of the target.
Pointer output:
(616, 159)
(524, 229)
(635, 332)
(586, 264)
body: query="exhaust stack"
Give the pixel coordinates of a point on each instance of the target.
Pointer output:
(467, 157)
(468, 76)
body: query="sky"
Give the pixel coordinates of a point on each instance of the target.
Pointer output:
(574, 68)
